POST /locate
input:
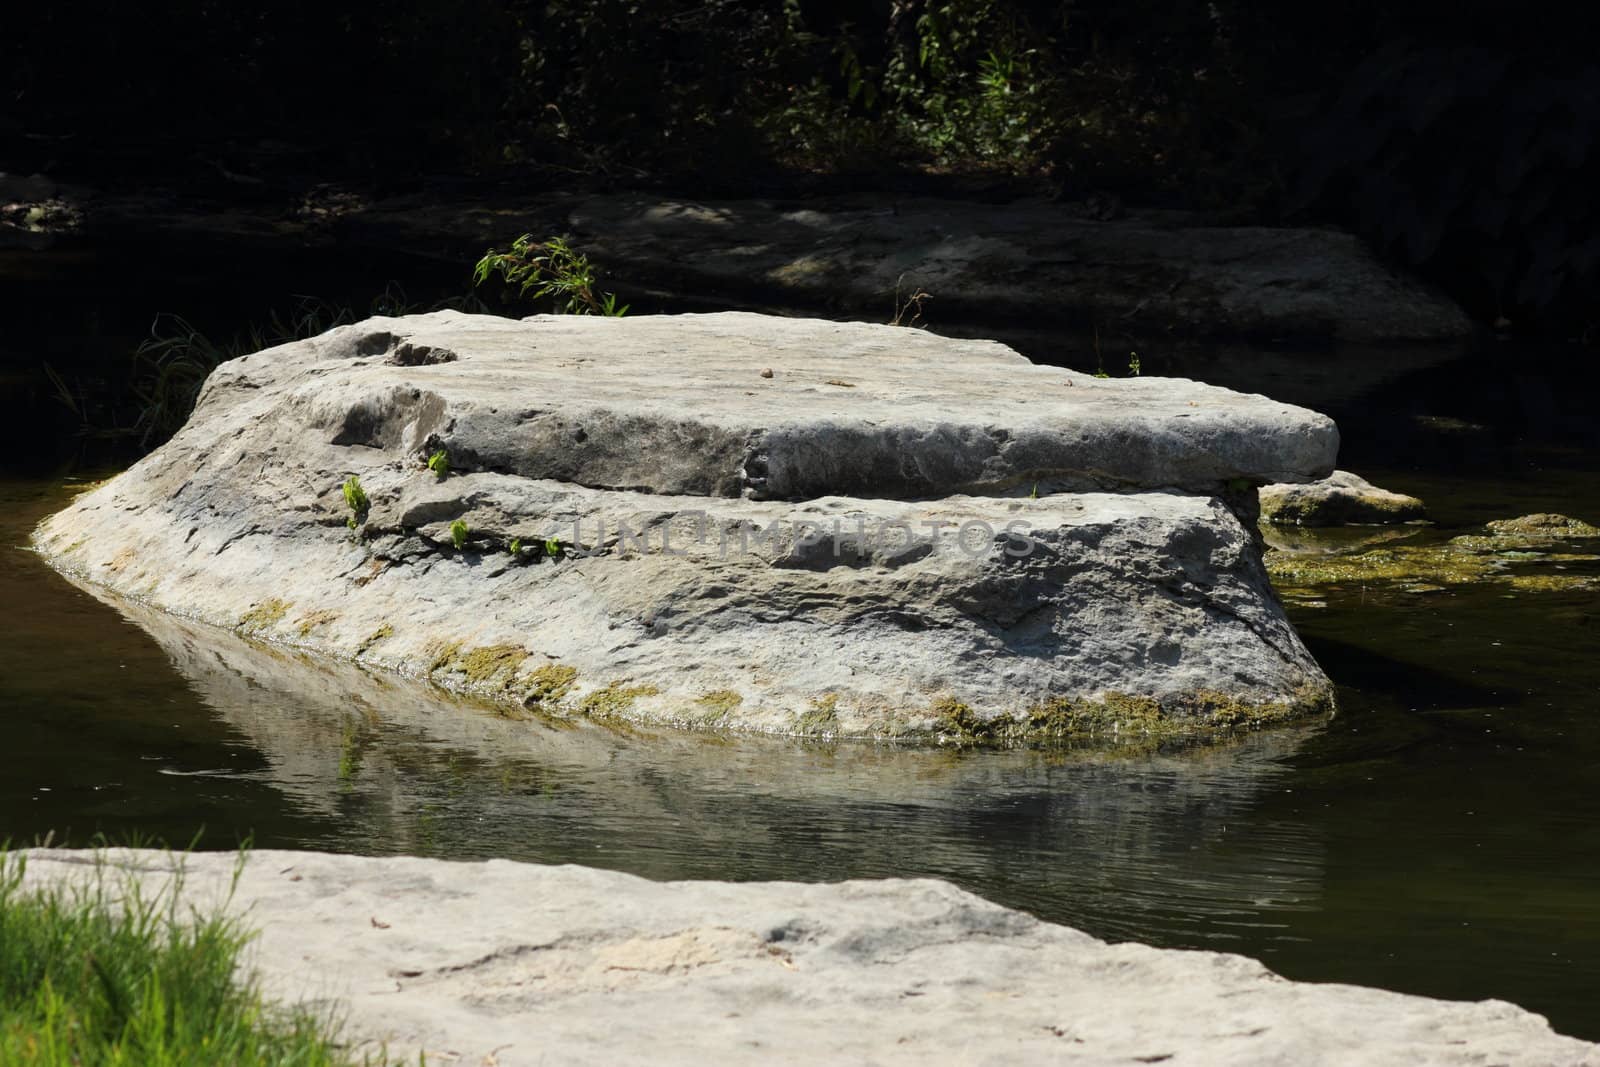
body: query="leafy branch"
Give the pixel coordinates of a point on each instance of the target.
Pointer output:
(551, 268)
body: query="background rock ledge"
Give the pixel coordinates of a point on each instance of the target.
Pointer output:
(970, 617)
(515, 964)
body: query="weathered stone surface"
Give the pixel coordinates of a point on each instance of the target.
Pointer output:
(1341, 499)
(1149, 595)
(965, 616)
(679, 404)
(1019, 262)
(1546, 526)
(518, 964)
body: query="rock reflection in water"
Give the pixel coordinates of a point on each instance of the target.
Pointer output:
(1161, 846)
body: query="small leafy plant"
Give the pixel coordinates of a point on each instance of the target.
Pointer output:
(1133, 364)
(552, 548)
(439, 464)
(458, 534)
(516, 547)
(356, 498)
(551, 268)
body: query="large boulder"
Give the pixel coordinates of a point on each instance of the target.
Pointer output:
(512, 964)
(639, 523)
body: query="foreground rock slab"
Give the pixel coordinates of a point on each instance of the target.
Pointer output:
(513, 964)
(966, 616)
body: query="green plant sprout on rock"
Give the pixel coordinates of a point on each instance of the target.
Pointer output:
(439, 464)
(458, 534)
(551, 268)
(552, 548)
(516, 547)
(356, 498)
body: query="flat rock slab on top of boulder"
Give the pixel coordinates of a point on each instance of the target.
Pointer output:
(681, 404)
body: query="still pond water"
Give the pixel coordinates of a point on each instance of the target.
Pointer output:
(1440, 836)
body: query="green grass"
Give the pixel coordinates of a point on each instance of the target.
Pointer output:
(104, 973)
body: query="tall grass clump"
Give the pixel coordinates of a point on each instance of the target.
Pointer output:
(109, 974)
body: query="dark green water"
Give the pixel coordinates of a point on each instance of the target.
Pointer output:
(1441, 836)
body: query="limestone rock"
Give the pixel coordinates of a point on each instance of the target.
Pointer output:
(1341, 499)
(959, 616)
(1542, 526)
(680, 404)
(516, 964)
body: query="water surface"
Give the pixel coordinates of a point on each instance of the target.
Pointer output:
(1440, 836)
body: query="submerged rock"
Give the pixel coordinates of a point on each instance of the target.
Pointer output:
(1542, 526)
(1426, 562)
(450, 960)
(640, 526)
(1341, 499)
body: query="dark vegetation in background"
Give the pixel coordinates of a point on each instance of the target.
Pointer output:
(1463, 138)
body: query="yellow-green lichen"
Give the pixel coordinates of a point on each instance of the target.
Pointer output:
(718, 705)
(547, 686)
(820, 718)
(267, 613)
(382, 633)
(613, 701)
(1123, 718)
(310, 621)
(1545, 525)
(1519, 554)
(442, 654)
(491, 663)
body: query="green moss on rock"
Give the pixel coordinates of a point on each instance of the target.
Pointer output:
(546, 686)
(613, 701)
(820, 718)
(264, 615)
(718, 705)
(442, 654)
(1122, 717)
(382, 633)
(310, 621)
(491, 663)
(1543, 525)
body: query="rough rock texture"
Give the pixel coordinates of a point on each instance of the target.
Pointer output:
(511, 964)
(1544, 525)
(681, 404)
(1341, 499)
(970, 616)
(1020, 262)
